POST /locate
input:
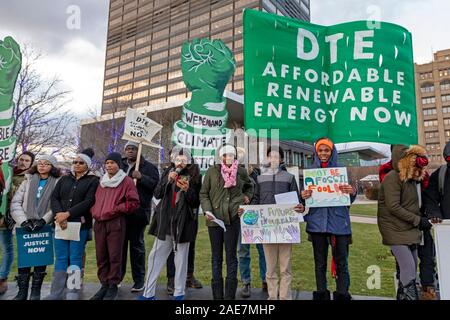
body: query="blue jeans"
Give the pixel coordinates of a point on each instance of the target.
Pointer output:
(244, 262)
(70, 252)
(7, 248)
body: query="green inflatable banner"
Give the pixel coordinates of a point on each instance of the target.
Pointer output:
(349, 82)
(207, 67)
(10, 64)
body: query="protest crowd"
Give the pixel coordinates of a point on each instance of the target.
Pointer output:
(115, 207)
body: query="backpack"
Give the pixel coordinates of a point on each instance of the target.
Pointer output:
(442, 173)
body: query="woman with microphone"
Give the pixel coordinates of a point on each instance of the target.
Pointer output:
(174, 221)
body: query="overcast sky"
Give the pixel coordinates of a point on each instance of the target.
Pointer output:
(77, 55)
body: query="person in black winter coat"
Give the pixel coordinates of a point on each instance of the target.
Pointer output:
(147, 178)
(71, 201)
(174, 222)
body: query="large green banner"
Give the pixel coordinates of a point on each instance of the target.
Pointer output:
(349, 82)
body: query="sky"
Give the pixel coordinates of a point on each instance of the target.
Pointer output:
(71, 34)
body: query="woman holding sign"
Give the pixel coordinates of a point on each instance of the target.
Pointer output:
(174, 222)
(399, 217)
(225, 187)
(30, 209)
(71, 202)
(330, 226)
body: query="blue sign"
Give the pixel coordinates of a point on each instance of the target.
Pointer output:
(34, 248)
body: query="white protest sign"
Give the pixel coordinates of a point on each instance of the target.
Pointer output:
(324, 183)
(442, 241)
(140, 128)
(273, 223)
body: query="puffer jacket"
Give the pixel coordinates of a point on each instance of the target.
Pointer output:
(333, 220)
(398, 202)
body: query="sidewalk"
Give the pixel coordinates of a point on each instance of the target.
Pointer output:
(192, 294)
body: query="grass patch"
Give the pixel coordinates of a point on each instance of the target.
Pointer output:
(365, 251)
(369, 210)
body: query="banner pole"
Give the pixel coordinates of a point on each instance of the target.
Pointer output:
(138, 161)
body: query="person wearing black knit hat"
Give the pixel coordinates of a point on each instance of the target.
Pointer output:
(72, 199)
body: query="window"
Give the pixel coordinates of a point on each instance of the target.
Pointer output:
(426, 88)
(175, 74)
(426, 75)
(126, 77)
(144, 39)
(113, 51)
(159, 55)
(179, 26)
(433, 147)
(140, 94)
(221, 10)
(432, 134)
(127, 56)
(142, 62)
(128, 45)
(111, 71)
(158, 79)
(110, 92)
(428, 100)
(199, 32)
(430, 123)
(126, 87)
(199, 19)
(157, 90)
(174, 62)
(177, 97)
(444, 72)
(126, 66)
(112, 61)
(446, 110)
(447, 121)
(143, 51)
(178, 38)
(429, 112)
(445, 98)
(176, 86)
(141, 83)
(447, 133)
(142, 72)
(221, 23)
(161, 33)
(159, 67)
(445, 85)
(110, 81)
(160, 45)
(238, 44)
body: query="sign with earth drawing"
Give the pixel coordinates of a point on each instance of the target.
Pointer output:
(349, 82)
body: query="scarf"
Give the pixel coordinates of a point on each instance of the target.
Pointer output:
(114, 181)
(229, 174)
(34, 211)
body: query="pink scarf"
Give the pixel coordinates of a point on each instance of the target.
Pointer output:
(229, 174)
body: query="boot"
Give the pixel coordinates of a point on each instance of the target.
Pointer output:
(3, 286)
(73, 294)
(321, 295)
(341, 296)
(410, 291)
(428, 293)
(400, 291)
(192, 282)
(100, 294)
(36, 285)
(170, 286)
(23, 281)
(58, 286)
(111, 293)
(230, 289)
(217, 289)
(246, 290)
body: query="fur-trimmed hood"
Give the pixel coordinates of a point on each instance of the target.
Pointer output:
(404, 162)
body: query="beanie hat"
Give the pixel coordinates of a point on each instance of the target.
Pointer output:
(116, 157)
(49, 158)
(86, 155)
(324, 141)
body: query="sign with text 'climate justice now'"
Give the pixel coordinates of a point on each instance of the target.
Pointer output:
(349, 82)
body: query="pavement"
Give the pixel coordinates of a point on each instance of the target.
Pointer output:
(89, 289)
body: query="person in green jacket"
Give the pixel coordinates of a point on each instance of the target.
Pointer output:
(225, 187)
(399, 218)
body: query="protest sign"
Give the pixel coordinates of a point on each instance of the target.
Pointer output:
(139, 128)
(348, 82)
(34, 248)
(442, 241)
(270, 224)
(324, 183)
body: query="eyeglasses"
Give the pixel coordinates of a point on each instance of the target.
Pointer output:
(78, 162)
(44, 164)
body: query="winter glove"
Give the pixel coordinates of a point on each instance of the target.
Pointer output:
(39, 224)
(28, 225)
(424, 224)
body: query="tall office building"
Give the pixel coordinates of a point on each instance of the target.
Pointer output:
(144, 42)
(433, 105)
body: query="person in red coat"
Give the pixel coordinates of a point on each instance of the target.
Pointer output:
(116, 196)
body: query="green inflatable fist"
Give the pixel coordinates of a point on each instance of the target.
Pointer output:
(207, 67)
(10, 64)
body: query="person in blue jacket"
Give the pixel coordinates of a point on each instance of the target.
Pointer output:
(330, 226)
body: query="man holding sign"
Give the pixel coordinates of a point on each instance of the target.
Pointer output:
(272, 181)
(329, 225)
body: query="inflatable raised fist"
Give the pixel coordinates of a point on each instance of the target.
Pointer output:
(10, 63)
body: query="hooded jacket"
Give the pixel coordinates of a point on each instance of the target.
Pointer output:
(437, 205)
(334, 220)
(398, 204)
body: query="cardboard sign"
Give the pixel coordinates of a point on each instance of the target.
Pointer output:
(34, 248)
(140, 128)
(324, 183)
(270, 224)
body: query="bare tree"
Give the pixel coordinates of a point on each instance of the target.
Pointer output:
(42, 120)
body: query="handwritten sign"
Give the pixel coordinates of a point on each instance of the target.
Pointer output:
(34, 248)
(270, 224)
(442, 239)
(140, 128)
(324, 184)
